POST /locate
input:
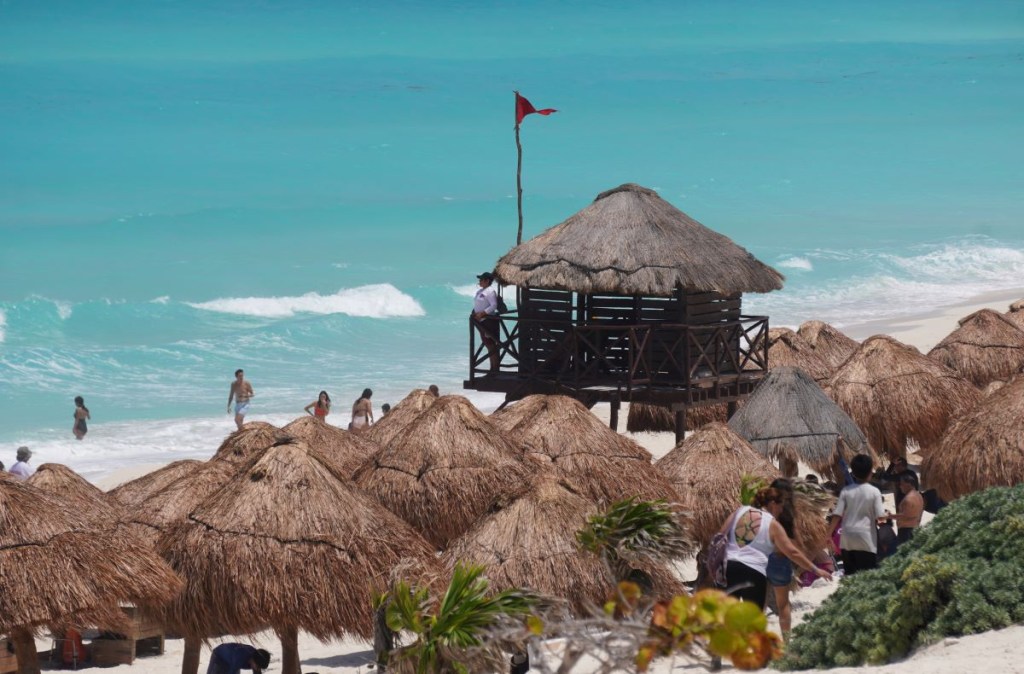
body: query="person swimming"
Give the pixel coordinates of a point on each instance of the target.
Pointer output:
(80, 428)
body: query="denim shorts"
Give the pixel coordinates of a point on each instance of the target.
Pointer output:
(780, 570)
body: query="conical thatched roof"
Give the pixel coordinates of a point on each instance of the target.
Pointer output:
(630, 241)
(789, 417)
(788, 349)
(604, 465)
(75, 490)
(832, 345)
(1016, 313)
(707, 469)
(530, 542)
(390, 426)
(136, 491)
(444, 470)
(894, 393)
(655, 418)
(58, 568)
(243, 444)
(347, 451)
(986, 347)
(292, 545)
(983, 449)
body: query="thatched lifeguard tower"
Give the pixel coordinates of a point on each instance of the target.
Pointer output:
(629, 300)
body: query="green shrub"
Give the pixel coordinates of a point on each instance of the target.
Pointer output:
(961, 574)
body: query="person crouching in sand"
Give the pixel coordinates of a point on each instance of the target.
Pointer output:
(362, 413)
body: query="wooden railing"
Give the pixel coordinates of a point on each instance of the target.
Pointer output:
(624, 356)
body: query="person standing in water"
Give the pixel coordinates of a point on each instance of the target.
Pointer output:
(321, 407)
(362, 412)
(241, 393)
(81, 416)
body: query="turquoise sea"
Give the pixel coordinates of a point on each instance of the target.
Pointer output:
(307, 189)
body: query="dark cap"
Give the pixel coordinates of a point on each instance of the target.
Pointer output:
(486, 275)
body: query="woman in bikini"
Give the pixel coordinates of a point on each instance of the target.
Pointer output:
(321, 407)
(362, 413)
(81, 415)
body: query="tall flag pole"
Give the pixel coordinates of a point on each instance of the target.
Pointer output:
(523, 108)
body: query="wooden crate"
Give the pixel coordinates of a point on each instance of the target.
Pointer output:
(8, 663)
(144, 635)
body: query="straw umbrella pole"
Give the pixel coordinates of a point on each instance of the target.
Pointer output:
(136, 491)
(655, 418)
(388, 427)
(347, 451)
(250, 440)
(985, 347)
(67, 485)
(895, 394)
(59, 569)
(828, 342)
(1016, 313)
(983, 449)
(289, 544)
(443, 470)
(604, 465)
(788, 349)
(789, 419)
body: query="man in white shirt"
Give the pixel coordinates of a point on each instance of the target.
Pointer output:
(485, 317)
(21, 469)
(859, 508)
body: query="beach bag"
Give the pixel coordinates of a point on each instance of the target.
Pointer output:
(502, 307)
(715, 561)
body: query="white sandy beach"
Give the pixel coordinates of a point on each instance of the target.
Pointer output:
(994, 652)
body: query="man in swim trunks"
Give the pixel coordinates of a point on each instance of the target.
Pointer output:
(241, 393)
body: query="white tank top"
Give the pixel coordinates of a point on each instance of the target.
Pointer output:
(753, 554)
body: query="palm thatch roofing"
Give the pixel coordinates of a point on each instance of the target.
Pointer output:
(67, 485)
(894, 394)
(706, 470)
(655, 418)
(346, 450)
(788, 349)
(788, 417)
(390, 426)
(604, 465)
(60, 569)
(630, 241)
(445, 469)
(250, 440)
(986, 346)
(983, 449)
(289, 544)
(828, 342)
(1016, 313)
(134, 492)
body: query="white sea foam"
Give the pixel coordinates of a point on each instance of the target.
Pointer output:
(163, 299)
(63, 309)
(381, 300)
(799, 263)
(468, 290)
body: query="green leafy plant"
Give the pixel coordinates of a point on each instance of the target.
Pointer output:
(749, 486)
(632, 529)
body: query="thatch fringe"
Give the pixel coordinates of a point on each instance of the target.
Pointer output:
(985, 347)
(643, 418)
(983, 449)
(828, 342)
(630, 241)
(134, 492)
(895, 394)
(346, 451)
(788, 349)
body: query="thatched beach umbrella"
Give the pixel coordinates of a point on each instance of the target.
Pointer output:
(1016, 313)
(706, 470)
(788, 349)
(102, 509)
(828, 342)
(443, 471)
(390, 426)
(983, 449)
(250, 440)
(655, 418)
(289, 544)
(895, 394)
(134, 492)
(58, 569)
(649, 247)
(604, 465)
(789, 419)
(985, 347)
(346, 450)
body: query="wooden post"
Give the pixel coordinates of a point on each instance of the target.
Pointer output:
(680, 425)
(190, 658)
(614, 421)
(730, 409)
(290, 650)
(519, 185)
(25, 651)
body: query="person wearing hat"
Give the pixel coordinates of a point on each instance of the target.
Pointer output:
(233, 658)
(21, 469)
(485, 317)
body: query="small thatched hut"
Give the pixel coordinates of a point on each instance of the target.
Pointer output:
(654, 418)
(388, 427)
(1016, 313)
(985, 347)
(788, 349)
(60, 570)
(444, 470)
(346, 450)
(832, 345)
(250, 440)
(789, 419)
(604, 465)
(289, 544)
(134, 492)
(983, 449)
(102, 509)
(895, 394)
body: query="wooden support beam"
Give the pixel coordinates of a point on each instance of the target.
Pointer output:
(680, 425)
(614, 421)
